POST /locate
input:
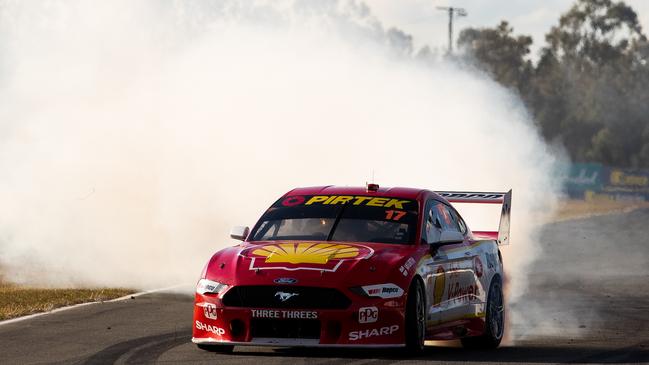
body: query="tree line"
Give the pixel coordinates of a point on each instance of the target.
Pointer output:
(588, 91)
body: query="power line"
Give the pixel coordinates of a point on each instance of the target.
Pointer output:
(451, 12)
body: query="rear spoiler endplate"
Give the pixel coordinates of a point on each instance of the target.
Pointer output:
(486, 198)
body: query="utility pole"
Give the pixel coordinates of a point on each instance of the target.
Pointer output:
(451, 12)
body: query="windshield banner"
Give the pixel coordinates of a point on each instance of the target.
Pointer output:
(369, 201)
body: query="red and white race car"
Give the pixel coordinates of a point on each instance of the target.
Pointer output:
(358, 267)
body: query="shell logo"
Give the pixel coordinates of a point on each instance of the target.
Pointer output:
(314, 255)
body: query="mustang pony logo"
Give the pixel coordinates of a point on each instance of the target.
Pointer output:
(305, 256)
(283, 296)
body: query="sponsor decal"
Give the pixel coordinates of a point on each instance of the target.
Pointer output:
(284, 296)
(384, 291)
(477, 266)
(209, 328)
(283, 314)
(305, 256)
(374, 332)
(472, 195)
(407, 266)
(285, 281)
(357, 200)
(462, 292)
(209, 310)
(368, 315)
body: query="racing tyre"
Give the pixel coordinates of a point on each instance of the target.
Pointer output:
(224, 349)
(415, 318)
(494, 322)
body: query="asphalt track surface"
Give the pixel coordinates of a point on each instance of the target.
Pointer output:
(589, 303)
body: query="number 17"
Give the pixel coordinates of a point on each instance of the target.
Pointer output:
(394, 215)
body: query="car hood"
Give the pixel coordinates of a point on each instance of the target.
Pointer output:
(309, 263)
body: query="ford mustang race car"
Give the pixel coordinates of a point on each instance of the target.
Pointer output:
(358, 267)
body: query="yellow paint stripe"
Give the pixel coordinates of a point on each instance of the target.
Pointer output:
(478, 243)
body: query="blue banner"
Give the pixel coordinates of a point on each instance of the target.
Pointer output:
(582, 177)
(626, 182)
(586, 179)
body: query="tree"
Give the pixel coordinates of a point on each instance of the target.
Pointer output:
(501, 54)
(589, 86)
(594, 32)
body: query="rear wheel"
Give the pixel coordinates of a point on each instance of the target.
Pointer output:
(226, 349)
(494, 322)
(415, 318)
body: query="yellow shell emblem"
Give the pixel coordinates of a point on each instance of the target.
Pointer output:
(305, 253)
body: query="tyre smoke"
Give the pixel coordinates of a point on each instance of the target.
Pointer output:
(134, 134)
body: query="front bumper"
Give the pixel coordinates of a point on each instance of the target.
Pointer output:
(368, 322)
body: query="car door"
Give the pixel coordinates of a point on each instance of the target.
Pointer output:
(462, 288)
(449, 274)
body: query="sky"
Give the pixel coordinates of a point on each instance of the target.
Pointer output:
(428, 25)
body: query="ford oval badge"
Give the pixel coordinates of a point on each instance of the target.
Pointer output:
(285, 281)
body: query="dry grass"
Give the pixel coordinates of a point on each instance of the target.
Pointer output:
(16, 301)
(574, 209)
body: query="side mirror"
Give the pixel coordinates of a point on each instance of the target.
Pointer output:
(450, 237)
(447, 238)
(239, 233)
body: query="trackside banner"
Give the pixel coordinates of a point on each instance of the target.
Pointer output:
(591, 179)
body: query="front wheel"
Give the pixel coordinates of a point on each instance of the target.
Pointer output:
(494, 322)
(415, 318)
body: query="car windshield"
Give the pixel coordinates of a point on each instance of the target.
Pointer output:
(351, 218)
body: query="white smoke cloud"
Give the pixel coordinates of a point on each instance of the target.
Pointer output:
(134, 134)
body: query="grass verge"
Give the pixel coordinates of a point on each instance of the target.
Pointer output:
(17, 301)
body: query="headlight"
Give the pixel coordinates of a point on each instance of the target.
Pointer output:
(205, 286)
(385, 291)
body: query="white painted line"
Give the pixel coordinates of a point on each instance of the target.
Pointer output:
(142, 293)
(61, 309)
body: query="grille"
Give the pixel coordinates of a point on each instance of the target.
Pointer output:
(285, 297)
(285, 328)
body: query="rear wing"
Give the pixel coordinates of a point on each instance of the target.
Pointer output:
(486, 198)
